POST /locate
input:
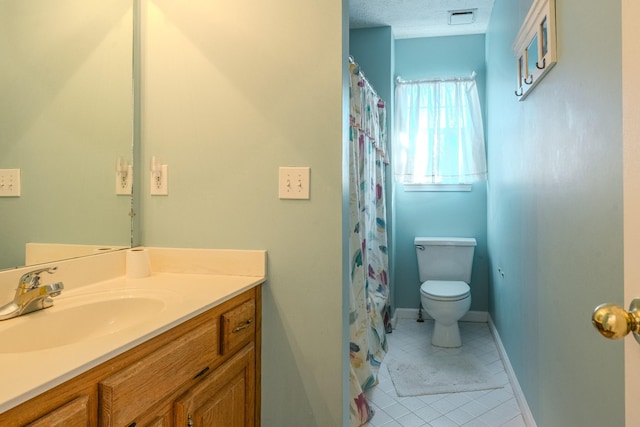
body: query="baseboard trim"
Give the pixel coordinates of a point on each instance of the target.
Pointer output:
(412, 313)
(517, 391)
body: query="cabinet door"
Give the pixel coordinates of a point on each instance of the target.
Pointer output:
(73, 414)
(224, 398)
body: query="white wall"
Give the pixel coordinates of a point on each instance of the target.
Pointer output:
(230, 92)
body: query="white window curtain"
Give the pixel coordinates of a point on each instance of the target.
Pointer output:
(438, 135)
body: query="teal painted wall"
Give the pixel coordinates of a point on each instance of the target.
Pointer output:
(372, 49)
(450, 214)
(231, 92)
(555, 212)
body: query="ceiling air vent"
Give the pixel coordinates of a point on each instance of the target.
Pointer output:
(461, 17)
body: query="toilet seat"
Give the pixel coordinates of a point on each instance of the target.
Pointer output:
(444, 290)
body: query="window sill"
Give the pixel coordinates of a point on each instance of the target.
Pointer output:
(437, 187)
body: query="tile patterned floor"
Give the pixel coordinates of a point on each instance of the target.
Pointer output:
(487, 408)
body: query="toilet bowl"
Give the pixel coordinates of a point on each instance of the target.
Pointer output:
(446, 302)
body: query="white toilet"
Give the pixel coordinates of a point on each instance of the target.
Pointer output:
(444, 264)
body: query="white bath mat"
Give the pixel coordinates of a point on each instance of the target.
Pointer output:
(440, 373)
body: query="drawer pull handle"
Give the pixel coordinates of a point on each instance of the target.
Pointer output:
(245, 326)
(199, 374)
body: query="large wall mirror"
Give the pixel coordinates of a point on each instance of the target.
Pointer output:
(66, 116)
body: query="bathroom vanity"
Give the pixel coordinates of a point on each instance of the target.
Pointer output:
(195, 361)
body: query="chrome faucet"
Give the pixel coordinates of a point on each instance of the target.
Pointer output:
(31, 295)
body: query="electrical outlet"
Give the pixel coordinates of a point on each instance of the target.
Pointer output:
(124, 181)
(159, 181)
(293, 182)
(9, 182)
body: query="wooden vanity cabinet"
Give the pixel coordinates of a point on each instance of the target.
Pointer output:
(224, 397)
(72, 414)
(205, 372)
(136, 389)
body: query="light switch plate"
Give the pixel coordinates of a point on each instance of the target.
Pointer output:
(9, 182)
(294, 182)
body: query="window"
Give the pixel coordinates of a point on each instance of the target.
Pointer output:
(439, 137)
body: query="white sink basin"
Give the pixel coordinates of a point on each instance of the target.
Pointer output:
(78, 318)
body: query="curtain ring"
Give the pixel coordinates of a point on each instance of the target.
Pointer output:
(518, 94)
(529, 79)
(544, 64)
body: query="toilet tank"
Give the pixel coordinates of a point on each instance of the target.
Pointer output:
(445, 258)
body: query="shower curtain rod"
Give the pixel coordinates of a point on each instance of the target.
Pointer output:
(363, 77)
(472, 77)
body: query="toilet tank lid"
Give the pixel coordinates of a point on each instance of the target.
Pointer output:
(445, 241)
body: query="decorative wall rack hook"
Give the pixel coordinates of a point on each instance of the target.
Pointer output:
(529, 79)
(544, 64)
(518, 92)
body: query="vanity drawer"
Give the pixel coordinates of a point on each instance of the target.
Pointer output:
(237, 326)
(74, 414)
(133, 390)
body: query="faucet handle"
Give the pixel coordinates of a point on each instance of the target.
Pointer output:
(31, 279)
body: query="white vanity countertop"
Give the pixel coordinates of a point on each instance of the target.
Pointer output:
(27, 374)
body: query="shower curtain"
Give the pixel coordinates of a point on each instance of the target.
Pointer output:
(369, 284)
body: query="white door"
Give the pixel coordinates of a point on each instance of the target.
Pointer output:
(631, 165)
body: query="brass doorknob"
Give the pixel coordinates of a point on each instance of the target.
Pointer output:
(614, 322)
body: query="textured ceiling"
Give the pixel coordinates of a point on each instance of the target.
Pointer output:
(419, 18)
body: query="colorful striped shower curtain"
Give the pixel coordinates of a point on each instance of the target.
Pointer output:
(369, 296)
